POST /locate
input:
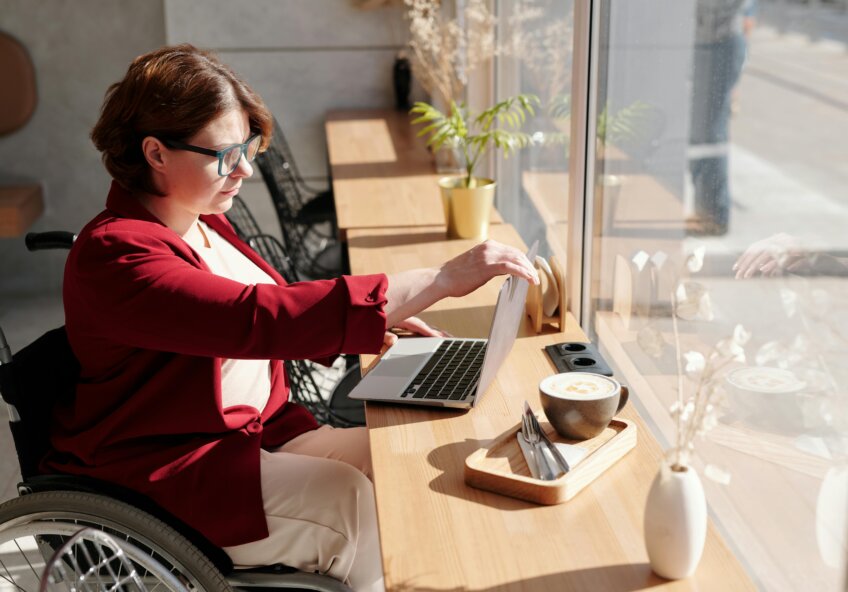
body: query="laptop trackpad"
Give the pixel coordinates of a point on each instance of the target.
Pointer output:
(398, 366)
(403, 366)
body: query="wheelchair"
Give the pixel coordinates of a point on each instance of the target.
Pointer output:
(92, 559)
(165, 553)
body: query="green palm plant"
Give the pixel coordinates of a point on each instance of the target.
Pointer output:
(474, 134)
(626, 126)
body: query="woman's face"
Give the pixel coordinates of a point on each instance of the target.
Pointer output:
(193, 185)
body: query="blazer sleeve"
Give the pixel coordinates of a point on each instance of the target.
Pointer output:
(139, 290)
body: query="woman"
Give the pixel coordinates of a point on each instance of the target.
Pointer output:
(179, 328)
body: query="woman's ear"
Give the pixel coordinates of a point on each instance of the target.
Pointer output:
(154, 153)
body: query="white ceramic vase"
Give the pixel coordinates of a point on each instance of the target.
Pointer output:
(831, 516)
(675, 522)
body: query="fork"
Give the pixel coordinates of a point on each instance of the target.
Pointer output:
(531, 436)
(558, 457)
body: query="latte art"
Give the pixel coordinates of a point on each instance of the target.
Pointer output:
(580, 386)
(762, 379)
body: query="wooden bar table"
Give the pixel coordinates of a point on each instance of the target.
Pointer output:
(438, 534)
(383, 174)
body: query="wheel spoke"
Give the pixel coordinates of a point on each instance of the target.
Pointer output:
(35, 573)
(8, 577)
(155, 560)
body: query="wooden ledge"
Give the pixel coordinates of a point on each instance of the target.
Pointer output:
(20, 206)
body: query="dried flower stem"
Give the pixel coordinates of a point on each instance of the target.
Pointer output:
(444, 50)
(695, 414)
(678, 350)
(703, 401)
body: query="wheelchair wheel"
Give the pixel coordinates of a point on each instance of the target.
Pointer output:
(35, 526)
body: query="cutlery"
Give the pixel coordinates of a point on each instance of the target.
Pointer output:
(528, 453)
(558, 457)
(546, 473)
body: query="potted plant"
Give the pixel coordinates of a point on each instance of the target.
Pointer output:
(627, 128)
(468, 199)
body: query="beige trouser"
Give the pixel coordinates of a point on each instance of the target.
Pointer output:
(319, 504)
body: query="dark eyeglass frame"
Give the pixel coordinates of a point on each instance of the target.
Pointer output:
(219, 154)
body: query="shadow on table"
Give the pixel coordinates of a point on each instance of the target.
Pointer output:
(399, 414)
(413, 237)
(416, 167)
(450, 460)
(620, 578)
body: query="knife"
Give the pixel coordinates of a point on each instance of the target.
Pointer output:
(558, 457)
(528, 455)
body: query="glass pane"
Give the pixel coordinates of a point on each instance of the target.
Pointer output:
(536, 39)
(720, 207)
(231, 159)
(253, 147)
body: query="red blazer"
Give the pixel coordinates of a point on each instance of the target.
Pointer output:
(150, 323)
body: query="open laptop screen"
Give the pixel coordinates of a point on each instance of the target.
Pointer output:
(509, 311)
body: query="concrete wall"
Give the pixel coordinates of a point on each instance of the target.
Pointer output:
(78, 47)
(304, 58)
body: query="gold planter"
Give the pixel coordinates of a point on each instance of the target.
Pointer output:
(467, 209)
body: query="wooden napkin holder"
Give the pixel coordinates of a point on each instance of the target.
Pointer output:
(535, 298)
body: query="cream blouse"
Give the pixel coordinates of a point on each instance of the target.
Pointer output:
(243, 382)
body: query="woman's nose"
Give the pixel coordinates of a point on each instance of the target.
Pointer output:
(243, 170)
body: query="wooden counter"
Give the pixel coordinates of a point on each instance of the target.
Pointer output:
(383, 175)
(438, 534)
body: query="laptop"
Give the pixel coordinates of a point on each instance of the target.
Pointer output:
(448, 372)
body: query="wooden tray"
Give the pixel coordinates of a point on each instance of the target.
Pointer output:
(501, 467)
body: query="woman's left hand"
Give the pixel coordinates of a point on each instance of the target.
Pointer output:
(419, 327)
(466, 272)
(410, 292)
(389, 339)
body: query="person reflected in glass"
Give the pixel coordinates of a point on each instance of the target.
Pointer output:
(783, 253)
(719, 53)
(179, 328)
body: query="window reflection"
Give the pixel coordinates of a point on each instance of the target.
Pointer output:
(727, 191)
(536, 39)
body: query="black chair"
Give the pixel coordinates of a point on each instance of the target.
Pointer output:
(337, 410)
(267, 246)
(315, 253)
(242, 220)
(316, 205)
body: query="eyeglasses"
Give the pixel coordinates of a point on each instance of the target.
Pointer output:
(229, 157)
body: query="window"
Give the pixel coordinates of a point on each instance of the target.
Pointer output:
(716, 172)
(719, 175)
(536, 39)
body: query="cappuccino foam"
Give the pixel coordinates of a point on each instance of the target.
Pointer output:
(763, 379)
(579, 386)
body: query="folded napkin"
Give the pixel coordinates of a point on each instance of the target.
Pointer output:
(573, 454)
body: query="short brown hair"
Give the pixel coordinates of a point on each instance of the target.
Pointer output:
(170, 93)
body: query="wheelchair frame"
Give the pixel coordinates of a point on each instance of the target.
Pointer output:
(50, 509)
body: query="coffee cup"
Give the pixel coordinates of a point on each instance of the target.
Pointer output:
(579, 405)
(767, 396)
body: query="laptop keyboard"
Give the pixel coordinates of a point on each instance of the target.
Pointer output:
(452, 372)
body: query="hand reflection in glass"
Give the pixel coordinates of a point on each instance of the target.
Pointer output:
(783, 253)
